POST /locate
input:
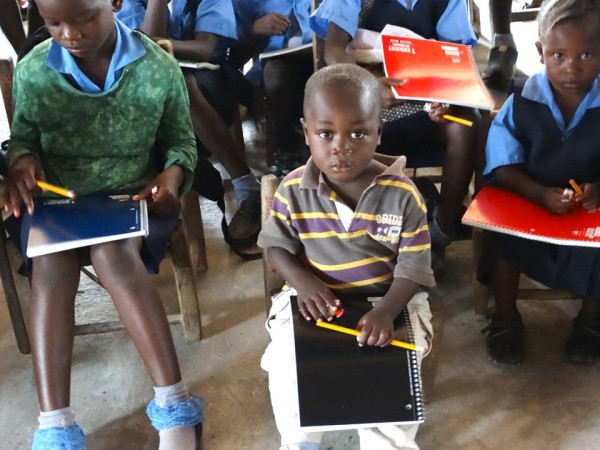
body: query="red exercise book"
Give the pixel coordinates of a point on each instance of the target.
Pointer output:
(436, 72)
(502, 211)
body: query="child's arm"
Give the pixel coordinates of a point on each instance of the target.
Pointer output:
(377, 326)
(156, 18)
(22, 176)
(555, 199)
(200, 49)
(315, 299)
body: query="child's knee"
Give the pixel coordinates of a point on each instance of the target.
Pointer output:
(117, 257)
(55, 265)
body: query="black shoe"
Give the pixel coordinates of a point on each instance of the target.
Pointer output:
(245, 223)
(502, 62)
(583, 345)
(504, 342)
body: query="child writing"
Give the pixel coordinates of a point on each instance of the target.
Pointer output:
(100, 107)
(546, 134)
(318, 211)
(337, 21)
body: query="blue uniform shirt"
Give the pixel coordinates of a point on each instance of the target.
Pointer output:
(503, 148)
(248, 11)
(453, 26)
(212, 16)
(128, 48)
(132, 13)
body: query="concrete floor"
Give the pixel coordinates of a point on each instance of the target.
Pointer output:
(547, 403)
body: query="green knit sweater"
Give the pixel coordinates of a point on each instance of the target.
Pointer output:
(118, 139)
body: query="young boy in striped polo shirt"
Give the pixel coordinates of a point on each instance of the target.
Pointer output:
(344, 223)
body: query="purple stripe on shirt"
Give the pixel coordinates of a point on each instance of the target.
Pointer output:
(317, 225)
(373, 270)
(421, 238)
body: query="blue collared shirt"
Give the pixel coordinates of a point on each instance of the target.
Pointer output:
(128, 48)
(503, 148)
(132, 13)
(454, 24)
(212, 16)
(248, 11)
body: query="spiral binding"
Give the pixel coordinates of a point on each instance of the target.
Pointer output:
(414, 369)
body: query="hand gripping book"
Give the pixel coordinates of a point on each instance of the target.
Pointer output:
(505, 212)
(59, 224)
(435, 71)
(344, 386)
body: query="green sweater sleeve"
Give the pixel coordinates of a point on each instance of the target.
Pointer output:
(175, 133)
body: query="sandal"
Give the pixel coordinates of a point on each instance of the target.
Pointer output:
(504, 342)
(583, 345)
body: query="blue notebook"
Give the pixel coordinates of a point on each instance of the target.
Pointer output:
(64, 224)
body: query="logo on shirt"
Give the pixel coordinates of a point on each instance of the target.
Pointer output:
(389, 227)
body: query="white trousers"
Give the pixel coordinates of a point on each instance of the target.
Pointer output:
(278, 361)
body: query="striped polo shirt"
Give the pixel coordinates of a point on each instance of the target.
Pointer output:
(386, 236)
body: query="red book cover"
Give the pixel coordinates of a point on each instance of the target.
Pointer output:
(435, 71)
(505, 212)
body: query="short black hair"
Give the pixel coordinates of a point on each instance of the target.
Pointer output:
(343, 76)
(556, 12)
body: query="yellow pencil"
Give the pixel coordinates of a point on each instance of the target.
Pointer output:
(575, 187)
(396, 343)
(56, 189)
(458, 120)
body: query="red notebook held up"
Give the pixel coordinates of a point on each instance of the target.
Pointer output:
(436, 72)
(502, 211)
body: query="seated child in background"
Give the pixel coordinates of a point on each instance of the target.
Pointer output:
(100, 107)
(269, 25)
(347, 190)
(337, 21)
(206, 31)
(546, 134)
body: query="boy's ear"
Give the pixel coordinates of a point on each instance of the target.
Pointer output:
(540, 50)
(303, 123)
(117, 5)
(379, 133)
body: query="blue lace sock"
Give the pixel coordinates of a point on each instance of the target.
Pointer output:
(59, 438)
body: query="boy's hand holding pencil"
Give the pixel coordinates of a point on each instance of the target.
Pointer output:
(588, 194)
(22, 182)
(316, 301)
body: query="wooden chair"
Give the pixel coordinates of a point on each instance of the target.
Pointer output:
(186, 241)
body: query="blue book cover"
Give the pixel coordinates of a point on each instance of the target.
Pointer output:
(59, 224)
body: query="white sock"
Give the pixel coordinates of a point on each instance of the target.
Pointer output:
(504, 39)
(58, 418)
(177, 437)
(246, 187)
(170, 395)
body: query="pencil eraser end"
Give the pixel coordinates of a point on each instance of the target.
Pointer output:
(72, 195)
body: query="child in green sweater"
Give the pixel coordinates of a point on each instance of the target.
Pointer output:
(100, 107)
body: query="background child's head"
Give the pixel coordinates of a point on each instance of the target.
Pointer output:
(342, 119)
(569, 45)
(85, 27)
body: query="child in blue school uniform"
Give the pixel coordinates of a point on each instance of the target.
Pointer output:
(206, 31)
(143, 139)
(269, 25)
(546, 134)
(337, 21)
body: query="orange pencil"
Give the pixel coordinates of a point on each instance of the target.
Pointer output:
(56, 189)
(575, 187)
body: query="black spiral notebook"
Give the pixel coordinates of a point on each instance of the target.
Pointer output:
(344, 386)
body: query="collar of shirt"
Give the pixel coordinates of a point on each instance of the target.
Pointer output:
(128, 48)
(537, 89)
(312, 177)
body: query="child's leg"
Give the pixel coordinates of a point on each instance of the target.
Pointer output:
(459, 163)
(214, 133)
(584, 342)
(174, 412)
(54, 284)
(505, 339)
(284, 88)
(278, 361)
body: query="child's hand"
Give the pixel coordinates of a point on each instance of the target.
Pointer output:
(162, 192)
(272, 24)
(316, 301)
(558, 200)
(22, 177)
(590, 199)
(376, 328)
(437, 111)
(387, 95)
